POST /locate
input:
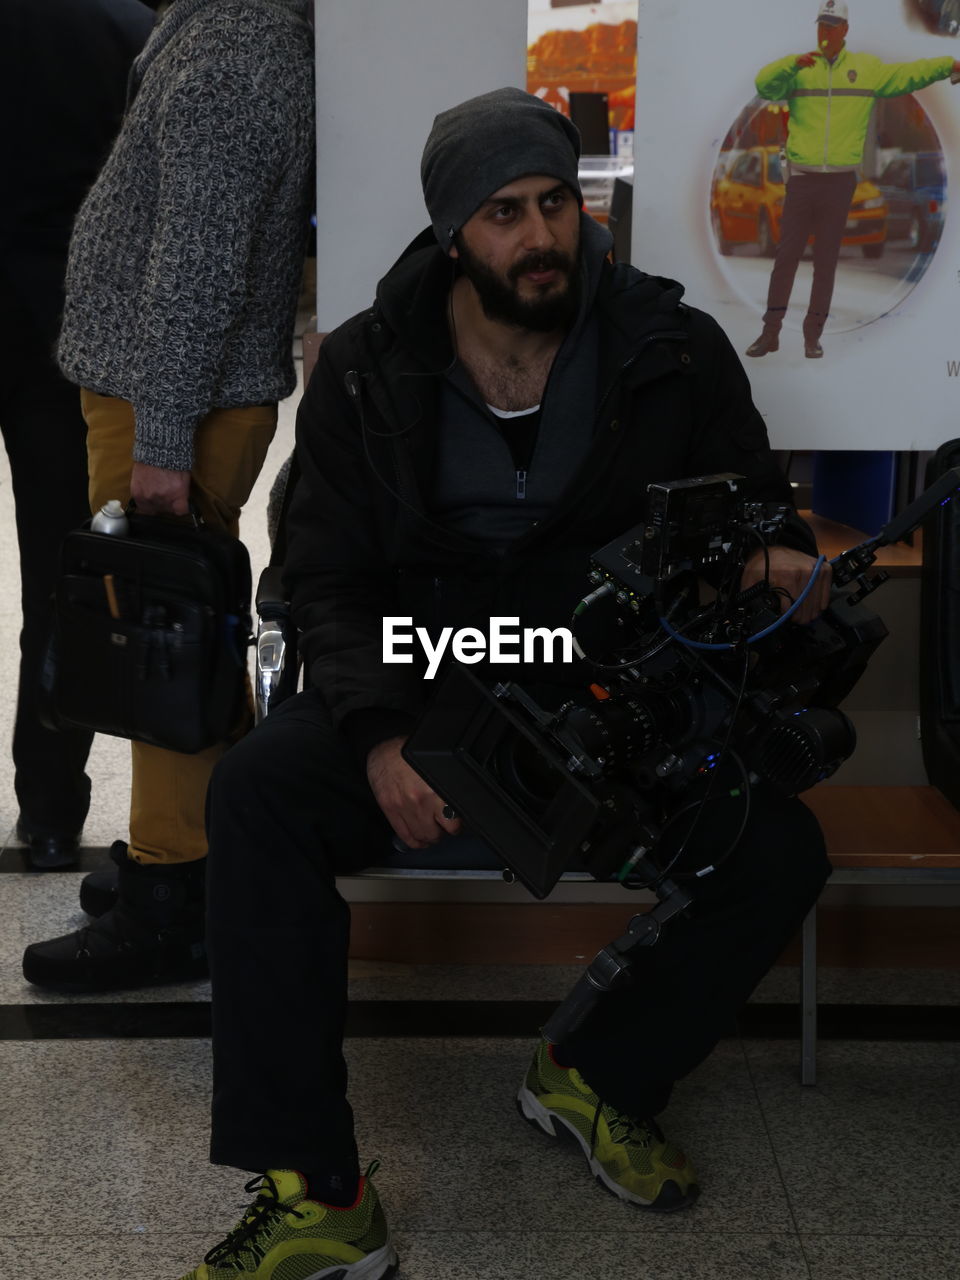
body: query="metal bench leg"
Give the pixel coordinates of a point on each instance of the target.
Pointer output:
(808, 999)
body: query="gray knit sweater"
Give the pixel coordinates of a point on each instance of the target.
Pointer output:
(186, 256)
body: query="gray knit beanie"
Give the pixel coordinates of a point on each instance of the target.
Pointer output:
(481, 145)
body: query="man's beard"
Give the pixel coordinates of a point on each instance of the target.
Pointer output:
(557, 309)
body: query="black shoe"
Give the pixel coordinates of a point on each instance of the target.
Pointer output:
(99, 890)
(154, 934)
(48, 853)
(812, 349)
(768, 341)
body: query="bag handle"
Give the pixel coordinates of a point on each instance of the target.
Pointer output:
(193, 513)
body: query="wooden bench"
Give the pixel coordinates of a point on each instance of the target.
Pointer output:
(875, 836)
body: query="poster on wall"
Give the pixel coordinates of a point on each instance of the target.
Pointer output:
(586, 50)
(794, 168)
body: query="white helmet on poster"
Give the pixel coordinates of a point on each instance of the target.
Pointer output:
(832, 11)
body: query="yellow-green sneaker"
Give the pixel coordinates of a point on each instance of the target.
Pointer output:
(627, 1155)
(286, 1236)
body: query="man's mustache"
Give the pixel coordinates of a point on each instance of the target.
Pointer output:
(552, 260)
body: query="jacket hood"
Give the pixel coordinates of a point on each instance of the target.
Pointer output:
(629, 294)
(412, 297)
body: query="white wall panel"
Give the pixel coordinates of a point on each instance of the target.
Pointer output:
(384, 70)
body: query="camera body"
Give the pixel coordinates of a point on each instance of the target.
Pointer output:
(686, 687)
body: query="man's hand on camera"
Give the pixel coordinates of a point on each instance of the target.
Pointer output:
(411, 806)
(806, 59)
(159, 492)
(790, 571)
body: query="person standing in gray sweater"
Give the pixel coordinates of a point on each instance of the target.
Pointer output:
(182, 284)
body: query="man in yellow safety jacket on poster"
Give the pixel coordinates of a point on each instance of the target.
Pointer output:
(831, 93)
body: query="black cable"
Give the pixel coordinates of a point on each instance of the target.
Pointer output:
(662, 639)
(364, 431)
(636, 661)
(726, 589)
(746, 791)
(766, 551)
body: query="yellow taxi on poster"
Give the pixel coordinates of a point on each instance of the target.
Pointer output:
(747, 202)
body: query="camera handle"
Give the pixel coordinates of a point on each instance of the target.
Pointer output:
(851, 566)
(611, 967)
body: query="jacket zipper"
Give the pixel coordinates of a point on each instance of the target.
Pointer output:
(826, 133)
(670, 336)
(521, 476)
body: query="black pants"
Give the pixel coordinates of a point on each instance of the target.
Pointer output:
(289, 807)
(816, 204)
(45, 438)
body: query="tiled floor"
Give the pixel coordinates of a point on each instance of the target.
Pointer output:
(103, 1140)
(106, 1176)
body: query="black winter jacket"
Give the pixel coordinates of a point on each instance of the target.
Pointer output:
(674, 401)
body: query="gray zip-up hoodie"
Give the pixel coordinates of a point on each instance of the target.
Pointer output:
(186, 256)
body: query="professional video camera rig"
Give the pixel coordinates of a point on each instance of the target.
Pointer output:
(693, 703)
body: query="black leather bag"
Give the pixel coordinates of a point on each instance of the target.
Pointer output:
(151, 633)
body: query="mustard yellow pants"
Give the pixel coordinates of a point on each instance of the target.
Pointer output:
(168, 789)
